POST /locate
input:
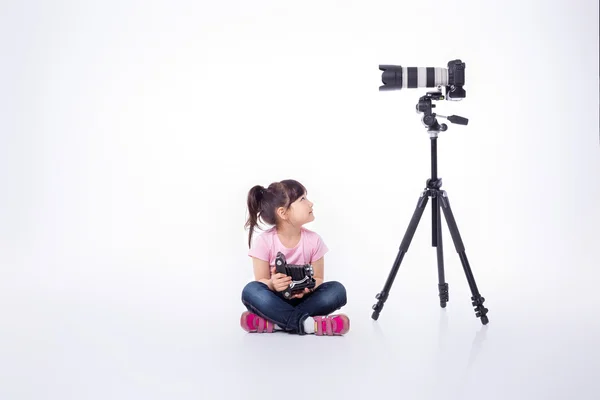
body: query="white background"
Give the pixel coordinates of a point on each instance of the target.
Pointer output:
(131, 133)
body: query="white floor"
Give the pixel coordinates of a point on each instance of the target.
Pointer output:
(156, 343)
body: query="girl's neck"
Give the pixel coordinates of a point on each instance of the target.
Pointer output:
(289, 232)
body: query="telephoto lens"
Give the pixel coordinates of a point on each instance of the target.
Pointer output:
(396, 77)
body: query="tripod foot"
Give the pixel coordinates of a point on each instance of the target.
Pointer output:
(480, 310)
(381, 297)
(444, 297)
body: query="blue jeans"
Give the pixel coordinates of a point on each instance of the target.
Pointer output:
(290, 314)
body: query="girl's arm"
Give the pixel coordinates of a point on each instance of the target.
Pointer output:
(262, 272)
(318, 271)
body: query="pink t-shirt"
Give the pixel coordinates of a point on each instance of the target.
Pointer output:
(310, 248)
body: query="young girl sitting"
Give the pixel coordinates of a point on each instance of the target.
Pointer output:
(285, 206)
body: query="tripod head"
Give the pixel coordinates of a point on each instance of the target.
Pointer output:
(429, 118)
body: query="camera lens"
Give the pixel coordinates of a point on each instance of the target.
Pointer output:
(391, 77)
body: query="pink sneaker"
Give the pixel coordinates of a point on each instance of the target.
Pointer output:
(253, 323)
(337, 324)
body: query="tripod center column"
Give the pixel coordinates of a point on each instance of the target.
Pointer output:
(434, 158)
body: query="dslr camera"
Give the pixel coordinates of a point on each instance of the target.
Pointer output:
(396, 77)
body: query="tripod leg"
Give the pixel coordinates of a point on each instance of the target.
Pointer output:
(477, 299)
(410, 231)
(437, 232)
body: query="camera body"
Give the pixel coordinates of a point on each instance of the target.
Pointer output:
(302, 275)
(456, 80)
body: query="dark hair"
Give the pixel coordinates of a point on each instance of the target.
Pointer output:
(264, 202)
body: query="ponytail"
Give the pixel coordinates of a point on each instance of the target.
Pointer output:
(255, 196)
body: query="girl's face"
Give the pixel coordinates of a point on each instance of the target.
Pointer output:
(300, 211)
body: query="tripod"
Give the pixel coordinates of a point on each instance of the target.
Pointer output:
(440, 202)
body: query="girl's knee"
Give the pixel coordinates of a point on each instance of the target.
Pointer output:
(338, 292)
(252, 289)
(338, 288)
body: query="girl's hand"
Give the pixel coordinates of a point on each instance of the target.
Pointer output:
(301, 294)
(280, 281)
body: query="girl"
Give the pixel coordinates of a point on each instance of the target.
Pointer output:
(285, 206)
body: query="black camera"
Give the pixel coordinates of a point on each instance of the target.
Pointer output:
(302, 275)
(396, 77)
